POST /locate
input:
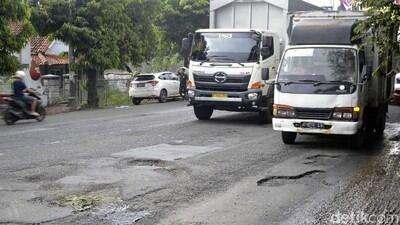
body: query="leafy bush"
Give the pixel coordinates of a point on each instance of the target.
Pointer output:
(114, 98)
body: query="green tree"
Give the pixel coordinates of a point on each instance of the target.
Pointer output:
(179, 17)
(15, 31)
(103, 33)
(383, 22)
(176, 19)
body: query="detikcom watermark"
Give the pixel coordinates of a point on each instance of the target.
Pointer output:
(361, 217)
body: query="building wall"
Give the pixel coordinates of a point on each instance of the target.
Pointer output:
(251, 15)
(25, 55)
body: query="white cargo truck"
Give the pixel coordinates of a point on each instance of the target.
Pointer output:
(325, 82)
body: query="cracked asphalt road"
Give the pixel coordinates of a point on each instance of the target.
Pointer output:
(156, 164)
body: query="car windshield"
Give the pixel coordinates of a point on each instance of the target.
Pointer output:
(226, 47)
(398, 80)
(144, 77)
(319, 65)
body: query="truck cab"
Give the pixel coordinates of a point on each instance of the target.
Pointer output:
(325, 83)
(233, 70)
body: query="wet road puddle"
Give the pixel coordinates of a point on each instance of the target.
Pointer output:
(393, 134)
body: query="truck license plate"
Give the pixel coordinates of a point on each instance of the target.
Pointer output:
(312, 125)
(219, 95)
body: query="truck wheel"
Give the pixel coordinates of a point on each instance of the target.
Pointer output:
(203, 112)
(136, 101)
(380, 126)
(358, 140)
(289, 138)
(163, 96)
(265, 117)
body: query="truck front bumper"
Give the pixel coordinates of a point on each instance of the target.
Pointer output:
(231, 101)
(332, 127)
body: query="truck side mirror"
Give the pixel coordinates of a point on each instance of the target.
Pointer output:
(266, 52)
(265, 74)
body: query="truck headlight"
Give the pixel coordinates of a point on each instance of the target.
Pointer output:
(191, 93)
(284, 111)
(348, 116)
(252, 96)
(346, 113)
(337, 115)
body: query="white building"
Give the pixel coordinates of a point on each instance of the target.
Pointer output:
(256, 14)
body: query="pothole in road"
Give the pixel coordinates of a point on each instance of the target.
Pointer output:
(320, 159)
(323, 156)
(165, 152)
(83, 202)
(279, 179)
(146, 162)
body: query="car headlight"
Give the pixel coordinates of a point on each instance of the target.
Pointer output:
(284, 111)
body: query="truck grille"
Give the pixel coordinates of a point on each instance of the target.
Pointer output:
(320, 114)
(234, 83)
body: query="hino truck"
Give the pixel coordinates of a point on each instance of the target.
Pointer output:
(328, 80)
(232, 69)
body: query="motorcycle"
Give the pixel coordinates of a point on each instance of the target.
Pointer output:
(18, 110)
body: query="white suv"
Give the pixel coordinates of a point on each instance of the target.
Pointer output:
(161, 86)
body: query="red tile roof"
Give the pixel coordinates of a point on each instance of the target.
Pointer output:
(41, 59)
(39, 44)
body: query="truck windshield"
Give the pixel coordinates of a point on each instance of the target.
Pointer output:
(324, 65)
(226, 47)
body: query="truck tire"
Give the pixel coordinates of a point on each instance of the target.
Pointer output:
(203, 112)
(265, 117)
(357, 141)
(380, 126)
(289, 138)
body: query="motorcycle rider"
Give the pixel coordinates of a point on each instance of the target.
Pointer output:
(20, 89)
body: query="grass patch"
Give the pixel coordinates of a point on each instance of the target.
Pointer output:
(81, 202)
(115, 98)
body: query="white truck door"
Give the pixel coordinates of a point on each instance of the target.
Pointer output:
(269, 63)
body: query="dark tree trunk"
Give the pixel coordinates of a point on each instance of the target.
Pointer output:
(92, 99)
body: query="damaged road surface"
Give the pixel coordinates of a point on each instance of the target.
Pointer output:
(156, 164)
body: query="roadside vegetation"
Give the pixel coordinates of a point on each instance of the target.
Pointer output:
(106, 34)
(103, 34)
(114, 98)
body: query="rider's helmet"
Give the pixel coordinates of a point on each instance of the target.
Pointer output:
(20, 74)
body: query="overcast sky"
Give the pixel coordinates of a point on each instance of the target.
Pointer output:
(324, 2)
